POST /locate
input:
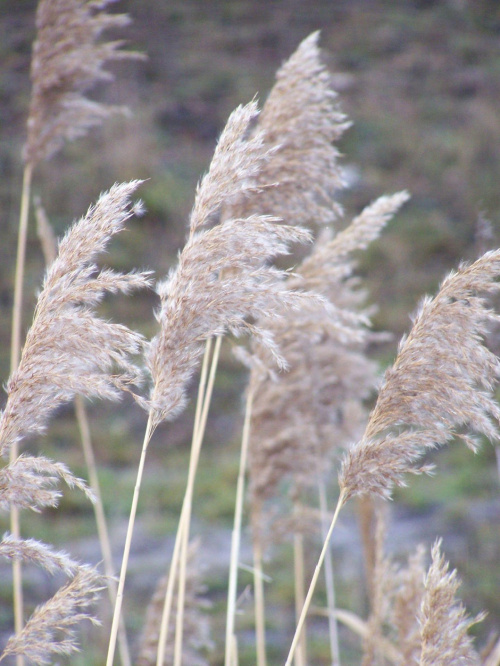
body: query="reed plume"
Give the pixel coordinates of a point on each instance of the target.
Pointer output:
(68, 60)
(443, 619)
(409, 592)
(48, 242)
(68, 350)
(440, 386)
(321, 395)
(301, 122)
(415, 617)
(28, 482)
(50, 632)
(35, 552)
(222, 281)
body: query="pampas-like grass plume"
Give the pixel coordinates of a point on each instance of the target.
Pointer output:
(222, 281)
(68, 349)
(301, 121)
(51, 629)
(444, 622)
(67, 61)
(320, 396)
(415, 616)
(35, 552)
(440, 386)
(28, 483)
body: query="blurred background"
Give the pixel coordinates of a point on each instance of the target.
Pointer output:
(421, 82)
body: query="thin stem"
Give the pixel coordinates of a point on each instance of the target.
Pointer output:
(100, 518)
(179, 539)
(236, 535)
(128, 540)
(20, 263)
(258, 586)
(234, 651)
(202, 386)
(493, 659)
(200, 421)
(314, 581)
(329, 580)
(179, 627)
(17, 576)
(298, 559)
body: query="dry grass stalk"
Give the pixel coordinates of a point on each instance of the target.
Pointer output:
(197, 642)
(301, 121)
(444, 622)
(51, 629)
(202, 407)
(441, 385)
(68, 349)
(222, 283)
(67, 61)
(236, 534)
(49, 246)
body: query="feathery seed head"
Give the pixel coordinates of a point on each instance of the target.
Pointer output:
(300, 120)
(223, 281)
(68, 349)
(440, 386)
(50, 630)
(67, 61)
(321, 395)
(35, 552)
(443, 620)
(28, 483)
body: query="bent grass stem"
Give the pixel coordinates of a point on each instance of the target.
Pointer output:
(128, 540)
(17, 576)
(314, 581)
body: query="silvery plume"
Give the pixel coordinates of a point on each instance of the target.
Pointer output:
(301, 122)
(441, 385)
(69, 350)
(68, 60)
(223, 280)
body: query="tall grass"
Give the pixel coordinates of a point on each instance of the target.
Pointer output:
(272, 182)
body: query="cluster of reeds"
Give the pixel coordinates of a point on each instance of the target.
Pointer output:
(272, 184)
